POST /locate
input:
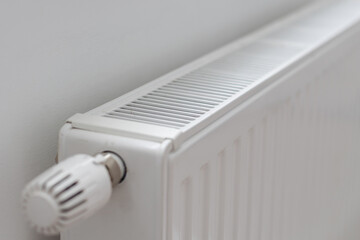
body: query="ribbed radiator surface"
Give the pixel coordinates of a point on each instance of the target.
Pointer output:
(293, 173)
(284, 165)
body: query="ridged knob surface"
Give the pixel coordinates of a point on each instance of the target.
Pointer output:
(66, 193)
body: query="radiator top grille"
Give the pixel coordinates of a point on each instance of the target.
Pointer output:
(179, 102)
(184, 99)
(183, 102)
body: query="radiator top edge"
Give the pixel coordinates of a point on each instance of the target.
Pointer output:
(183, 102)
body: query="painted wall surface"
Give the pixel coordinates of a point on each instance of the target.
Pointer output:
(58, 58)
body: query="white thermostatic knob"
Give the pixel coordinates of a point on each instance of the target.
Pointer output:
(71, 191)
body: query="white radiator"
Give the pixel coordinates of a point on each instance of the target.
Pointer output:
(258, 140)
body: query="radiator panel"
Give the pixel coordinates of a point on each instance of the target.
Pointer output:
(288, 168)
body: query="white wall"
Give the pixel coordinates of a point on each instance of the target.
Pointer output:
(63, 57)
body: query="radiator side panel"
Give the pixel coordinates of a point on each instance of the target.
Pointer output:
(136, 208)
(282, 165)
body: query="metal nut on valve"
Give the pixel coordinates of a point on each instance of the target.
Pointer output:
(114, 165)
